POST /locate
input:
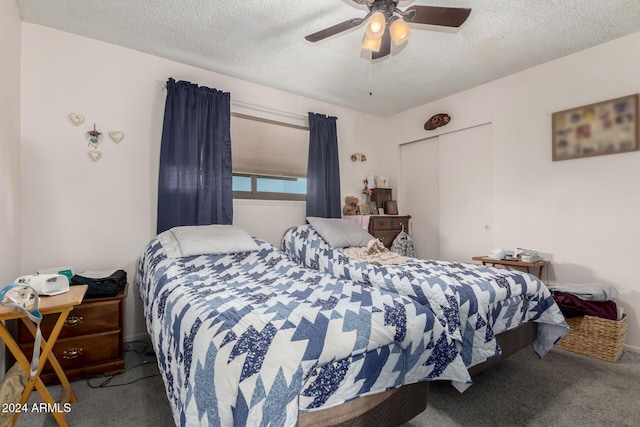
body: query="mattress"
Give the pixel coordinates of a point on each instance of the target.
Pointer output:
(253, 338)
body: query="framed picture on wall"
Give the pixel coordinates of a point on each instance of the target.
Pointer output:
(607, 127)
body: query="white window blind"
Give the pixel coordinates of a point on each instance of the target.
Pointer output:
(268, 148)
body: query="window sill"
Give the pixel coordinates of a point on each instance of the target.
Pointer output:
(265, 202)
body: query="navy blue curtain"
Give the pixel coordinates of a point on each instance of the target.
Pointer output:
(323, 170)
(195, 181)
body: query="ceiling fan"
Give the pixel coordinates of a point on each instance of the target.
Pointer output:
(386, 23)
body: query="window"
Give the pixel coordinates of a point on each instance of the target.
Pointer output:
(269, 159)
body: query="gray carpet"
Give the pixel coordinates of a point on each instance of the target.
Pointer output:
(563, 389)
(142, 403)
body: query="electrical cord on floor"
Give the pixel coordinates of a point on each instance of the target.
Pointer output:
(145, 347)
(106, 380)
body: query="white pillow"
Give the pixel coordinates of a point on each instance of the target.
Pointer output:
(206, 239)
(340, 233)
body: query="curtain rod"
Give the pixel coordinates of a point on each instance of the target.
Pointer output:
(243, 104)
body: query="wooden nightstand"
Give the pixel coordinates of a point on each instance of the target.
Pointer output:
(387, 227)
(57, 309)
(91, 341)
(513, 263)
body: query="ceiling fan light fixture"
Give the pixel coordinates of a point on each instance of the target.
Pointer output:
(399, 30)
(371, 44)
(385, 22)
(376, 25)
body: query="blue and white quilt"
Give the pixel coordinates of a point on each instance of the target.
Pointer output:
(253, 338)
(475, 302)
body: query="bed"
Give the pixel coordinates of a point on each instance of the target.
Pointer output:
(245, 336)
(475, 302)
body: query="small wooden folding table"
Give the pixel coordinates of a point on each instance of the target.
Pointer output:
(61, 304)
(513, 263)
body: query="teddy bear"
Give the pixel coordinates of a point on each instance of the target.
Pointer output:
(350, 205)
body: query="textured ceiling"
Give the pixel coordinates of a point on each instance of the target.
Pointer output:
(262, 41)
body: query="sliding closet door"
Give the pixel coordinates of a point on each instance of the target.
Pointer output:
(465, 193)
(419, 178)
(446, 188)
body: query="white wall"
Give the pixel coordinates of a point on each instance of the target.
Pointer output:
(9, 141)
(583, 212)
(9, 147)
(98, 215)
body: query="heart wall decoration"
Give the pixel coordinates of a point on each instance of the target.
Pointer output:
(95, 155)
(76, 119)
(117, 136)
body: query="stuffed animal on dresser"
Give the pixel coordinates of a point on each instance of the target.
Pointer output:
(350, 205)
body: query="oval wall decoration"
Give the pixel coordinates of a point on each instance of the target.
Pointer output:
(437, 121)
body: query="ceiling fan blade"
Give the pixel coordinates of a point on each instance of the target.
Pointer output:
(434, 15)
(385, 46)
(338, 28)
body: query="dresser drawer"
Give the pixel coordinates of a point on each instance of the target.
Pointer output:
(400, 224)
(84, 350)
(87, 318)
(386, 228)
(381, 223)
(91, 341)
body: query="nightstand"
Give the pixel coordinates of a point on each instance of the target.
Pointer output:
(513, 263)
(56, 308)
(387, 227)
(91, 341)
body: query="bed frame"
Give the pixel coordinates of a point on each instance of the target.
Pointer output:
(396, 407)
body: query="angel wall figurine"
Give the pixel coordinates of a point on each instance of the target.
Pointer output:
(93, 136)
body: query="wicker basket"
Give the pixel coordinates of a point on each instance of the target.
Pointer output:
(595, 337)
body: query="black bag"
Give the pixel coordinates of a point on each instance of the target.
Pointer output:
(103, 287)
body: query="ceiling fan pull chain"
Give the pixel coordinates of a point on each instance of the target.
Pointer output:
(371, 77)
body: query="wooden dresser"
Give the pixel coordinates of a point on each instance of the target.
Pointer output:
(387, 227)
(91, 341)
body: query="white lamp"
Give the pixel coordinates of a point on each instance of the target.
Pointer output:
(371, 44)
(399, 30)
(376, 25)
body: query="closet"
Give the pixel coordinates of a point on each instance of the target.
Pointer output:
(446, 185)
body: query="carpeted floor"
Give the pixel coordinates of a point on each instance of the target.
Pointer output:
(563, 389)
(141, 403)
